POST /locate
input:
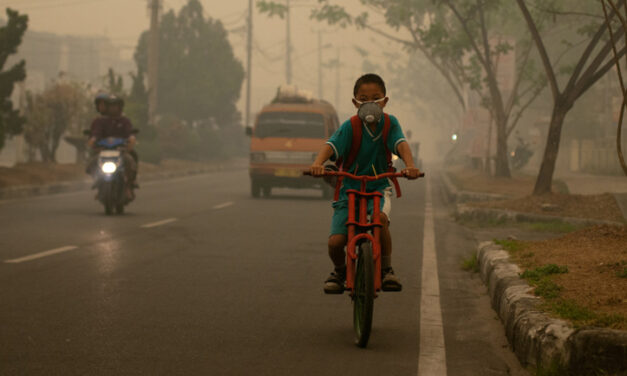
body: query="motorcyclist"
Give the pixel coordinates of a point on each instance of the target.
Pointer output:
(115, 124)
(100, 103)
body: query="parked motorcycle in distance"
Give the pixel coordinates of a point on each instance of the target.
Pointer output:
(521, 155)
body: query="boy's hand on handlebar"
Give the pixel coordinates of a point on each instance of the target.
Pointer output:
(316, 169)
(411, 173)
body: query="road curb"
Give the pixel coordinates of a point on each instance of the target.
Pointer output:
(25, 191)
(456, 195)
(467, 212)
(538, 340)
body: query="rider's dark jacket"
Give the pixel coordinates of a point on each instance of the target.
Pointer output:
(118, 127)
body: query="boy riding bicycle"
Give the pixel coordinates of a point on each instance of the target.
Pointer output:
(363, 146)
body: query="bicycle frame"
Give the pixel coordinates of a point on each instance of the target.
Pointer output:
(360, 228)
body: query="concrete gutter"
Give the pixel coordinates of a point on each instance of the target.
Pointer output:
(25, 191)
(538, 340)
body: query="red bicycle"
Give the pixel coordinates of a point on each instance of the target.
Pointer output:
(363, 250)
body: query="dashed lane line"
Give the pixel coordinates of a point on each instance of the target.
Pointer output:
(224, 205)
(42, 254)
(159, 223)
(432, 352)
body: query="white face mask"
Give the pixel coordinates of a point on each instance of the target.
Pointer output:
(370, 112)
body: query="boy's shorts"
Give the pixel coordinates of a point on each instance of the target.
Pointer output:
(340, 212)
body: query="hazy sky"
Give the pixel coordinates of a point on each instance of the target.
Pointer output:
(123, 20)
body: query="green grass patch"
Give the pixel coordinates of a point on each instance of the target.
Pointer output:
(471, 264)
(568, 309)
(483, 223)
(509, 245)
(537, 274)
(540, 279)
(622, 273)
(557, 227)
(547, 289)
(553, 369)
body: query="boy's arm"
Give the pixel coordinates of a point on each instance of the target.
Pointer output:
(410, 171)
(317, 167)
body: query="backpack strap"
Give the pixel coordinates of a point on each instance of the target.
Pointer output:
(356, 125)
(345, 164)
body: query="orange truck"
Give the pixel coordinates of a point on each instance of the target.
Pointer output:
(286, 137)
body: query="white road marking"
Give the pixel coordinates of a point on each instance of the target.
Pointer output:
(222, 206)
(432, 353)
(42, 254)
(159, 223)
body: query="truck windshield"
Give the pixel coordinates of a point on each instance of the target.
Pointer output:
(290, 125)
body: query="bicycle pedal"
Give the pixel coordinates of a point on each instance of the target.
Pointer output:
(392, 289)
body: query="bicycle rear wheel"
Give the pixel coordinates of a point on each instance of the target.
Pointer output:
(363, 299)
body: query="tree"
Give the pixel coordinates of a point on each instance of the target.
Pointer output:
(589, 67)
(199, 77)
(621, 80)
(62, 107)
(464, 40)
(10, 38)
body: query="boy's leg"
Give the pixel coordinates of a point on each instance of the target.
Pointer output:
(337, 243)
(386, 243)
(390, 282)
(334, 284)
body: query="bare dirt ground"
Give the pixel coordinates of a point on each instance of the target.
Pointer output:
(477, 181)
(596, 258)
(519, 188)
(46, 173)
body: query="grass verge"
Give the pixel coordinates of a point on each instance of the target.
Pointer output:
(543, 280)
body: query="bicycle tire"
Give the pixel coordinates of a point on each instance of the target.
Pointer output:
(363, 298)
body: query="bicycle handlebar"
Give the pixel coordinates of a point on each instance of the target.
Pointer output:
(363, 177)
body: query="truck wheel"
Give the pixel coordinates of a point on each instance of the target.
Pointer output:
(267, 191)
(255, 189)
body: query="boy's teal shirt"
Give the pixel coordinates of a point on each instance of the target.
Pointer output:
(371, 154)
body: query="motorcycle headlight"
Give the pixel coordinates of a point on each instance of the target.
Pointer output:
(109, 167)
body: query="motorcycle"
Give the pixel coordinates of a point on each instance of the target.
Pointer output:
(521, 155)
(110, 178)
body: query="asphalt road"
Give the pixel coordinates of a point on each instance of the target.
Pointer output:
(198, 278)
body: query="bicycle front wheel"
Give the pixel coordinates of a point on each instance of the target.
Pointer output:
(363, 298)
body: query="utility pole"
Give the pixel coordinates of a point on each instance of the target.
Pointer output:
(249, 59)
(320, 93)
(153, 60)
(288, 46)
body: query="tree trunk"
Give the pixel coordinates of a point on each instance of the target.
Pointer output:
(502, 162)
(545, 177)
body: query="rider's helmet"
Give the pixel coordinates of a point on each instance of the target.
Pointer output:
(100, 101)
(114, 101)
